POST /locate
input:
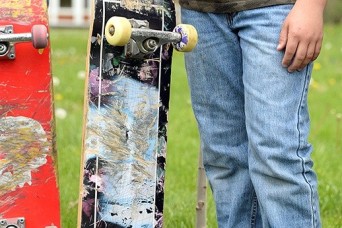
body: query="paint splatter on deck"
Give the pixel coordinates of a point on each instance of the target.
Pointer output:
(25, 14)
(23, 149)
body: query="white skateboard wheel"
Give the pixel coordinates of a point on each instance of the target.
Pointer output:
(189, 37)
(118, 31)
(39, 36)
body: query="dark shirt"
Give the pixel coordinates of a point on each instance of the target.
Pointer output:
(229, 6)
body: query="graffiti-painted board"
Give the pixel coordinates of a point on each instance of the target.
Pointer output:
(126, 107)
(29, 195)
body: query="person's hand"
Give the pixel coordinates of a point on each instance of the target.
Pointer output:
(302, 34)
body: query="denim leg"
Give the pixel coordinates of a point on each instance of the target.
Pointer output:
(277, 123)
(253, 120)
(215, 77)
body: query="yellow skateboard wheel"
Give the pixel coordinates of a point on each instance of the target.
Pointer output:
(189, 37)
(118, 31)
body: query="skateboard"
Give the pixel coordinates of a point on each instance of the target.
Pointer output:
(126, 108)
(29, 195)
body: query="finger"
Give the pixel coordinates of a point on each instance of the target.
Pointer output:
(299, 57)
(310, 53)
(317, 50)
(290, 51)
(282, 38)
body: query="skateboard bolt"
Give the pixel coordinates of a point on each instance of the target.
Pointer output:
(3, 48)
(151, 44)
(112, 30)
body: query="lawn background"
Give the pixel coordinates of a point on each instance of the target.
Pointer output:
(325, 98)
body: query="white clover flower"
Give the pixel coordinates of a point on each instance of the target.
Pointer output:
(81, 74)
(56, 81)
(328, 46)
(61, 113)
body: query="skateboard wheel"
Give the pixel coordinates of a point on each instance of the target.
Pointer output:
(189, 37)
(39, 36)
(118, 31)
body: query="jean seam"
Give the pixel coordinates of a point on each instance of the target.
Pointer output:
(254, 210)
(304, 91)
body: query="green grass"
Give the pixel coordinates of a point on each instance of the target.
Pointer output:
(69, 54)
(326, 135)
(68, 59)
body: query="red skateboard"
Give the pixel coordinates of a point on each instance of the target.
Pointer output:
(29, 195)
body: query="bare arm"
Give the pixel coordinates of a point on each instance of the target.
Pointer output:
(302, 34)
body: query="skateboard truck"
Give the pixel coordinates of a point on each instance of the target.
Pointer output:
(12, 223)
(38, 37)
(140, 40)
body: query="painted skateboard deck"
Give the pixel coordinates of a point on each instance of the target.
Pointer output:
(125, 124)
(126, 108)
(29, 195)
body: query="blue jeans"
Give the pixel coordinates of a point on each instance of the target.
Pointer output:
(253, 120)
